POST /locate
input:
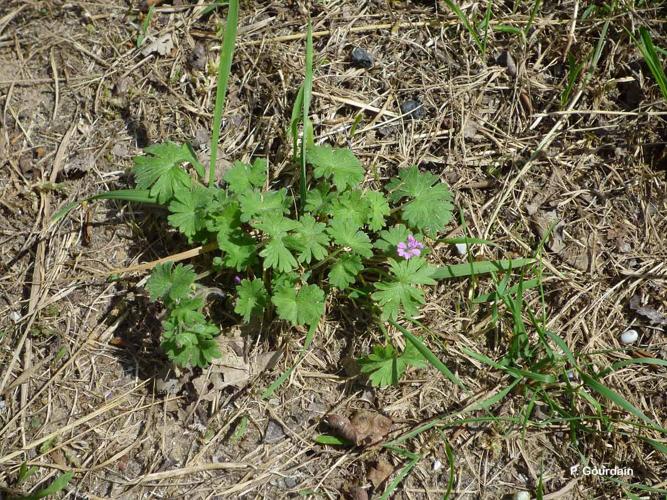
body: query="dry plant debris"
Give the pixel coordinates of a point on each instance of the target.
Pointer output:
(85, 389)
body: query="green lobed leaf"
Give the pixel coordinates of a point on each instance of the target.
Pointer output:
(309, 239)
(190, 344)
(429, 202)
(347, 235)
(188, 311)
(243, 177)
(299, 307)
(277, 256)
(381, 366)
(401, 294)
(170, 282)
(345, 270)
(318, 200)
(350, 207)
(188, 210)
(385, 366)
(256, 203)
(378, 209)
(390, 238)
(239, 250)
(251, 298)
(274, 224)
(160, 170)
(340, 165)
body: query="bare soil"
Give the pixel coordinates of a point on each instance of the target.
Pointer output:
(83, 384)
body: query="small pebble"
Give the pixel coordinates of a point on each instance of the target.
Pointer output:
(461, 248)
(15, 316)
(361, 58)
(413, 109)
(290, 482)
(274, 432)
(437, 465)
(522, 495)
(629, 337)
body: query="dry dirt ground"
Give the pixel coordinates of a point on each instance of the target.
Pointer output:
(83, 385)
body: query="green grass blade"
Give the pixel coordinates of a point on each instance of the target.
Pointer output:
(455, 422)
(661, 447)
(307, 97)
(132, 195)
(506, 28)
(495, 398)
(62, 212)
(466, 23)
(531, 18)
(58, 484)
(652, 60)
(428, 354)
(484, 267)
(563, 346)
(619, 400)
(391, 487)
(212, 7)
(224, 68)
(485, 25)
(633, 361)
(481, 358)
(297, 109)
(144, 26)
(452, 469)
(330, 440)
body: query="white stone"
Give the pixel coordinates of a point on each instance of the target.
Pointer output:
(437, 465)
(522, 495)
(15, 316)
(461, 248)
(629, 337)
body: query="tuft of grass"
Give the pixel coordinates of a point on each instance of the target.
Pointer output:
(650, 55)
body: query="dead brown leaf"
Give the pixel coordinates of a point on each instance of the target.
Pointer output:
(651, 314)
(161, 46)
(232, 368)
(548, 224)
(364, 428)
(358, 493)
(380, 472)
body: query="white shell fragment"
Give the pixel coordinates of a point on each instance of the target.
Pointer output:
(629, 337)
(461, 248)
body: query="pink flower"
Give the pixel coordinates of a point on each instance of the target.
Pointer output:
(410, 248)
